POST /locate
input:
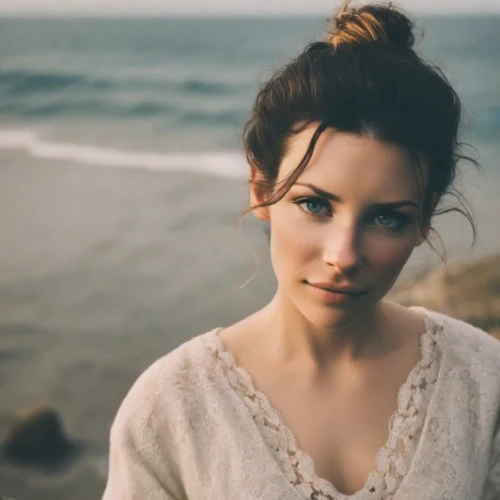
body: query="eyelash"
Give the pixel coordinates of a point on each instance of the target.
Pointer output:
(402, 219)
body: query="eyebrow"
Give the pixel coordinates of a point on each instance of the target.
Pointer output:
(338, 199)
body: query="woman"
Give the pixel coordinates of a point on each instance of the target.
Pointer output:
(330, 391)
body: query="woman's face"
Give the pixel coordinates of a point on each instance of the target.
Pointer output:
(350, 220)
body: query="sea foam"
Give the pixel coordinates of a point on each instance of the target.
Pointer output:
(228, 164)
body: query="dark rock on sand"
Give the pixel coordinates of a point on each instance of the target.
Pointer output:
(37, 438)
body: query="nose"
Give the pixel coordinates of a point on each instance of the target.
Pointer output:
(342, 249)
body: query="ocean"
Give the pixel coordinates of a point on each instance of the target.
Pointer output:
(121, 179)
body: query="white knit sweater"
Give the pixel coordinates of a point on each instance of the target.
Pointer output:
(194, 427)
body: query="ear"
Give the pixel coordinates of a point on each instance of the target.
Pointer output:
(258, 194)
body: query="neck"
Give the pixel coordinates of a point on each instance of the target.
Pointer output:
(295, 340)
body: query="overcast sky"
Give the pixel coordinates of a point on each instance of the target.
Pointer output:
(224, 7)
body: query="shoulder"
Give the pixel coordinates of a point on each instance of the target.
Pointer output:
(167, 389)
(467, 375)
(151, 438)
(465, 344)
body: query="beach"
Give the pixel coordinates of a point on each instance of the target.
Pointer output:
(121, 181)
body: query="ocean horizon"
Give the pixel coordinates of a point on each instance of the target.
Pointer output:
(125, 91)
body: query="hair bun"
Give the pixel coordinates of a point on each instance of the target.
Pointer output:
(382, 24)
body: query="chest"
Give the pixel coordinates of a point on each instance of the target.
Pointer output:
(340, 421)
(341, 428)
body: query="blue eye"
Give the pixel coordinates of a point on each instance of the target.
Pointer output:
(313, 205)
(394, 221)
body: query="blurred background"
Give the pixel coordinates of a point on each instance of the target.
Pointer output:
(121, 180)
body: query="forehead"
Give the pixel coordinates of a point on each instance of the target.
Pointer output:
(357, 165)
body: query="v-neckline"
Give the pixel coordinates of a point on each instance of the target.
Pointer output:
(407, 420)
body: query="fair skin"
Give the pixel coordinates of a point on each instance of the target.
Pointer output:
(333, 370)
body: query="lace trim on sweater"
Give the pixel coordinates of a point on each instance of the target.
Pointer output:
(393, 459)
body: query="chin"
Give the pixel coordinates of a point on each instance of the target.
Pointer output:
(330, 316)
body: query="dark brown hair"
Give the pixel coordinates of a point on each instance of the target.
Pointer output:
(365, 78)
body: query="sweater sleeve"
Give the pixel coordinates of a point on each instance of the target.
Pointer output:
(142, 463)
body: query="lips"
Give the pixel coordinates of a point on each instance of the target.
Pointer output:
(335, 297)
(335, 289)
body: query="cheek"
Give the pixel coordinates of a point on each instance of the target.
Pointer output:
(388, 255)
(291, 242)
